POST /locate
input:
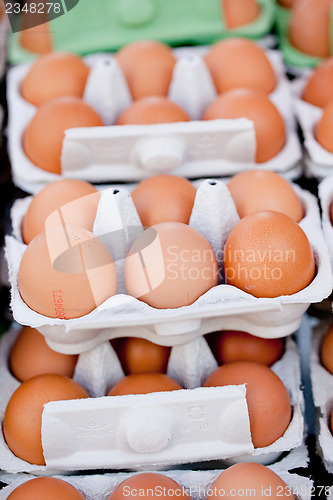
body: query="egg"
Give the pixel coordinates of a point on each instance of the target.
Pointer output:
(149, 485)
(309, 27)
(151, 110)
(231, 346)
(256, 190)
(164, 198)
(30, 356)
(144, 383)
(239, 62)
(54, 75)
(23, 416)
(141, 356)
(326, 350)
(268, 123)
(66, 272)
(267, 398)
(36, 39)
(319, 87)
(44, 135)
(170, 265)
(324, 130)
(251, 478)
(267, 254)
(53, 198)
(240, 12)
(148, 66)
(45, 488)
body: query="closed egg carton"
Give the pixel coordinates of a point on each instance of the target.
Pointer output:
(222, 307)
(153, 430)
(131, 153)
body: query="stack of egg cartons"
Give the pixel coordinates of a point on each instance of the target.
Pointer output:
(201, 428)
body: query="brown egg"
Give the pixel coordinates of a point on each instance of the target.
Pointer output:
(150, 110)
(43, 137)
(319, 88)
(326, 350)
(66, 273)
(54, 75)
(267, 254)
(37, 39)
(240, 479)
(141, 356)
(240, 12)
(144, 383)
(148, 67)
(231, 346)
(267, 398)
(309, 27)
(239, 62)
(151, 485)
(164, 198)
(30, 356)
(256, 190)
(45, 488)
(23, 416)
(52, 198)
(170, 265)
(268, 123)
(324, 128)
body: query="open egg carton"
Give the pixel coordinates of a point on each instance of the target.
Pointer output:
(118, 23)
(325, 191)
(222, 307)
(318, 161)
(197, 424)
(298, 63)
(132, 152)
(322, 390)
(195, 483)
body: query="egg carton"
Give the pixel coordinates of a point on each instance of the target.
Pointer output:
(325, 191)
(222, 307)
(318, 161)
(153, 430)
(133, 152)
(195, 483)
(322, 390)
(297, 62)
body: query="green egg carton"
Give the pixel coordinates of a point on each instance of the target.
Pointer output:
(104, 25)
(292, 56)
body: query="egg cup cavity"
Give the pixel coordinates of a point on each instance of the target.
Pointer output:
(193, 149)
(222, 307)
(100, 486)
(322, 390)
(91, 371)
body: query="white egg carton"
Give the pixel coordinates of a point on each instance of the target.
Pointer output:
(222, 307)
(325, 192)
(153, 430)
(318, 161)
(131, 153)
(196, 483)
(322, 390)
